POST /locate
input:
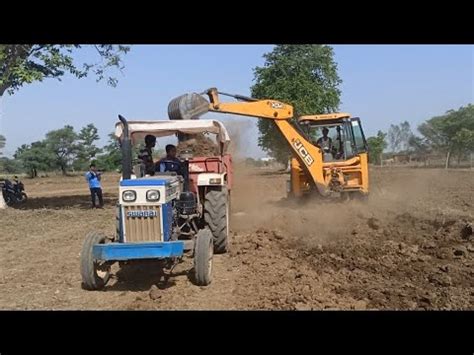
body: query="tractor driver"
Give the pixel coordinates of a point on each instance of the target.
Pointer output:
(170, 162)
(146, 155)
(325, 142)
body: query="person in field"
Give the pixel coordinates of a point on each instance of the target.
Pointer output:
(93, 178)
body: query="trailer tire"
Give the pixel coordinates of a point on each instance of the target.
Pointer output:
(94, 275)
(216, 216)
(203, 253)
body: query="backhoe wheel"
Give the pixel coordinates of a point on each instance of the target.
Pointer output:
(216, 215)
(95, 273)
(203, 252)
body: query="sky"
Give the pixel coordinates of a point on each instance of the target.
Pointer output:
(382, 84)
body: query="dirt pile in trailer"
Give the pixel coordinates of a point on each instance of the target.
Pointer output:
(199, 145)
(202, 145)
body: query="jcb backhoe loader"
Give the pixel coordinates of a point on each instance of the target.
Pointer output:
(329, 166)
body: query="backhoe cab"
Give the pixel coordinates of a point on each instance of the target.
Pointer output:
(343, 155)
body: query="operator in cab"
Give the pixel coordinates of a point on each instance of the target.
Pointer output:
(325, 142)
(170, 163)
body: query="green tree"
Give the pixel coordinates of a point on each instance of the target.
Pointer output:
(35, 157)
(62, 144)
(394, 138)
(26, 63)
(2, 143)
(86, 149)
(418, 145)
(399, 136)
(111, 158)
(376, 145)
(10, 166)
(304, 76)
(464, 142)
(451, 133)
(406, 134)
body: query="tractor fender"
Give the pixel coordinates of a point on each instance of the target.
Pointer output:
(212, 179)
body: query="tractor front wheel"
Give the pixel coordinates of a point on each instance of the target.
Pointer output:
(95, 273)
(203, 253)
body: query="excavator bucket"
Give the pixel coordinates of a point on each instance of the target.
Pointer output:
(187, 107)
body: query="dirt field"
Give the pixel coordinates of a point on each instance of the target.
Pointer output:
(401, 250)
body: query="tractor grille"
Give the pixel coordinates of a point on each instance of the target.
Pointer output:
(142, 229)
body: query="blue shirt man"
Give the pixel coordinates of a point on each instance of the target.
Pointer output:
(93, 178)
(170, 163)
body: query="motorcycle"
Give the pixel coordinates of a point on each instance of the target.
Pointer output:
(13, 192)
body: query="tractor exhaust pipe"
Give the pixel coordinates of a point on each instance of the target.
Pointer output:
(126, 148)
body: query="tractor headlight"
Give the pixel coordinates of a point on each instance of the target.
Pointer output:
(129, 195)
(153, 195)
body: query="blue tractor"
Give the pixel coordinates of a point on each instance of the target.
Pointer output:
(158, 217)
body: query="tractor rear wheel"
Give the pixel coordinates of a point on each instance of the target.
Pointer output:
(95, 274)
(203, 253)
(216, 215)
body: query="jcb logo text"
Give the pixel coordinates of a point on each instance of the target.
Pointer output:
(303, 153)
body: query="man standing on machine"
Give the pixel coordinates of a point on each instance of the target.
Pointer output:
(146, 155)
(338, 148)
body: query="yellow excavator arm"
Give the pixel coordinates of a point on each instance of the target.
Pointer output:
(309, 155)
(270, 109)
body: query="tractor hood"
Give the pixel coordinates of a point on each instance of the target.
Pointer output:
(139, 129)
